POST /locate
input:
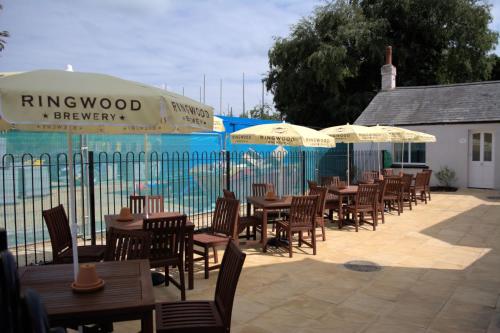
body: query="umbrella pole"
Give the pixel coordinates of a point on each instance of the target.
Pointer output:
(348, 166)
(72, 210)
(378, 157)
(146, 172)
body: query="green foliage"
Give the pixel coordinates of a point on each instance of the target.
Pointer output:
(262, 112)
(495, 72)
(3, 35)
(446, 176)
(328, 70)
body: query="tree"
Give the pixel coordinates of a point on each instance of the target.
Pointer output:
(495, 72)
(263, 112)
(3, 35)
(328, 70)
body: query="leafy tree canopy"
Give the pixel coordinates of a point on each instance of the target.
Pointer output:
(3, 35)
(328, 70)
(262, 112)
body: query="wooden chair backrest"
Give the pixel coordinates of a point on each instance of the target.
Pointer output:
(428, 172)
(127, 245)
(367, 195)
(225, 217)
(321, 192)
(137, 204)
(382, 187)
(330, 181)
(167, 236)
(155, 204)
(229, 274)
(311, 184)
(394, 185)
(59, 230)
(260, 190)
(420, 179)
(303, 210)
(407, 179)
(387, 172)
(229, 194)
(370, 176)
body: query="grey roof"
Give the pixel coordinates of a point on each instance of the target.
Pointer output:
(454, 103)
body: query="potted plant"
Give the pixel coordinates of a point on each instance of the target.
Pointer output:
(446, 178)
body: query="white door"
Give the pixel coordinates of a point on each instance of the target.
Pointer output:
(481, 160)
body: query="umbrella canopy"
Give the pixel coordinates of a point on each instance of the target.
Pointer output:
(218, 125)
(355, 133)
(53, 100)
(398, 134)
(71, 102)
(282, 134)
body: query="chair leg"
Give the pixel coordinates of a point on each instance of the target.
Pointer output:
(216, 257)
(301, 235)
(314, 240)
(356, 223)
(323, 232)
(289, 243)
(181, 278)
(167, 274)
(206, 262)
(374, 219)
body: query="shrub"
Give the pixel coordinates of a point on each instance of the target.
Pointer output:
(446, 176)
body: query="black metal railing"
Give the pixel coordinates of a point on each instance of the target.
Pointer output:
(189, 182)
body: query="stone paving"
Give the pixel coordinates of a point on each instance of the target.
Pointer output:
(440, 272)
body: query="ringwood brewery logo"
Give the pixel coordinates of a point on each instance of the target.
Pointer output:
(280, 130)
(85, 107)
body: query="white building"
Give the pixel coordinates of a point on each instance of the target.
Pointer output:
(465, 118)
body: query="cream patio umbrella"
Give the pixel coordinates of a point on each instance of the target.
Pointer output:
(355, 134)
(80, 103)
(403, 135)
(282, 134)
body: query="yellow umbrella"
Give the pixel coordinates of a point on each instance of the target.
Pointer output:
(71, 102)
(403, 135)
(282, 134)
(354, 134)
(218, 125)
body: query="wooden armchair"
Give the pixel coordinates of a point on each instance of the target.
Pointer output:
(137, 204)
(382, 186)
(321, 192)
(167, 246)
(387, 172)
(366, 202)
(127, 245)
(312, 183)
(248, 223)
(61, 241)
(428, 182)
(369, 177)
(206, 316)
(332, 201)
(393, 193)
(155, 204)
(418, 190)
(224, 226)
(302, 218)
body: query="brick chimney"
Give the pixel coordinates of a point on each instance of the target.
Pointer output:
(388, 71)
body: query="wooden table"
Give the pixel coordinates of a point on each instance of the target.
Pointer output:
(349, 191)
(266, 206)
(127, 293)
(136, 224)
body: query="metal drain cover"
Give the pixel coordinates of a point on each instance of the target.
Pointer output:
(494, 197)
(362, 266)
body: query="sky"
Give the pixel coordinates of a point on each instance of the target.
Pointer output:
(165, 43)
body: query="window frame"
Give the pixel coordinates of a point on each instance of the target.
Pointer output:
(408, 152)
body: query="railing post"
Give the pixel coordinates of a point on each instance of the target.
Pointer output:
(303, 172)
(90, 162)
(228, 170)
(3, 239)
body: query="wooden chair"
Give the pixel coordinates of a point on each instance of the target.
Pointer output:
(137, 204)
(127, 245)
(418, 190)
(61, 241)
(9, 294)
(155, 204)
(332, 201)
(311, 184)
(382, 185)
(260, 190)
(393, 190)
(366, 202)
(428, 182)
(406, 192)
(224, 226)
(167, 246)
(248, 223)
(369, 177)
(321, 192)
(302, 218)
(206, 316)
(387, 172)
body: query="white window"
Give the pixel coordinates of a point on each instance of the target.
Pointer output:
(413, 153)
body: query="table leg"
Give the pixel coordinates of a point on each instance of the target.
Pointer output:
(249, 209)
(341, 214)
(147, 322)
(190, 261)
(264, 230)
